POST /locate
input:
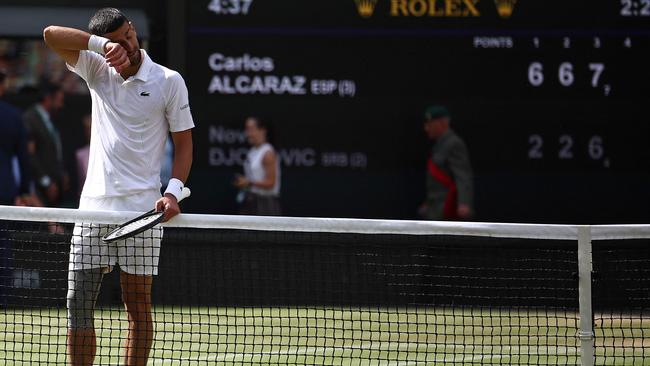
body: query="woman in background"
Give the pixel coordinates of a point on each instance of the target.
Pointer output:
(260, 184)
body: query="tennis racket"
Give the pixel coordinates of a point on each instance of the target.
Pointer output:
(141, 223)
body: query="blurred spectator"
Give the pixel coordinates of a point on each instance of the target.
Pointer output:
(83, 153)
(260, 185)
(13, 144)
(45, 145)
(13, 147)
(28, 60)
(450, 187)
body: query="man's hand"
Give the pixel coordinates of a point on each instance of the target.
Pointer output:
(53, 192)
(20, 201)
(241, 182)
(464, 211)
(28, 200)
(116, 56)
(169, 205)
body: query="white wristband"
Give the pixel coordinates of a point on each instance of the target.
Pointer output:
(97, 43)
(175, 188)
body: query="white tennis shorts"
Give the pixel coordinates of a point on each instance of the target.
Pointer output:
(137, 255)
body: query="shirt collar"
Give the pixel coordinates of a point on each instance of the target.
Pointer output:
(145, 67)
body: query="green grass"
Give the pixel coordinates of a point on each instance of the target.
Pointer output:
(334, 336)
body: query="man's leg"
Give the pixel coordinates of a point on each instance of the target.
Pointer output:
(83, 288)
(136, 294)
(81, 346)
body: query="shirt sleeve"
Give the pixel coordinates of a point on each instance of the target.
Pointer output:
(177, 109)
(89, 66)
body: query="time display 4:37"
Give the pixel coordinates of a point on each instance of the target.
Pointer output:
(232, 7)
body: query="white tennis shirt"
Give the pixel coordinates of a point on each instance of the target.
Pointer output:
(131, 120)
(254, 170)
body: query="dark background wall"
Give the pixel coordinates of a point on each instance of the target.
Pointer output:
(549, 139)
(571, 148)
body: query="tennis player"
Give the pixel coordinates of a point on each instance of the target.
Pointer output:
(260, 184)
(135, 104)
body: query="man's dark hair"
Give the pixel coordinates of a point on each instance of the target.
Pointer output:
(106, 20)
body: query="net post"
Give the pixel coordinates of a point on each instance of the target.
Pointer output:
(586, 333)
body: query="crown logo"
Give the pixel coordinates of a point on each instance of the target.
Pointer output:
(366, 7)
(505, 7)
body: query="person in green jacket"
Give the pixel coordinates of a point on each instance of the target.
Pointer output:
(449, 182)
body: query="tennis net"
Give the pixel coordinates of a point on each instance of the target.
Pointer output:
(299, 291)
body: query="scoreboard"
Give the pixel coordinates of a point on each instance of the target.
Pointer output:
(550, 97)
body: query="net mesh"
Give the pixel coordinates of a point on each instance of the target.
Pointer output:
(621, 290)
(249, 297)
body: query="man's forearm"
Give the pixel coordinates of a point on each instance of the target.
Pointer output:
(65, 38)
(182, 155)
(180, 170)
(182, 164)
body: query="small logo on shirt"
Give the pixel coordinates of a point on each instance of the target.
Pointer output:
(185, 106)
(144, 94)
